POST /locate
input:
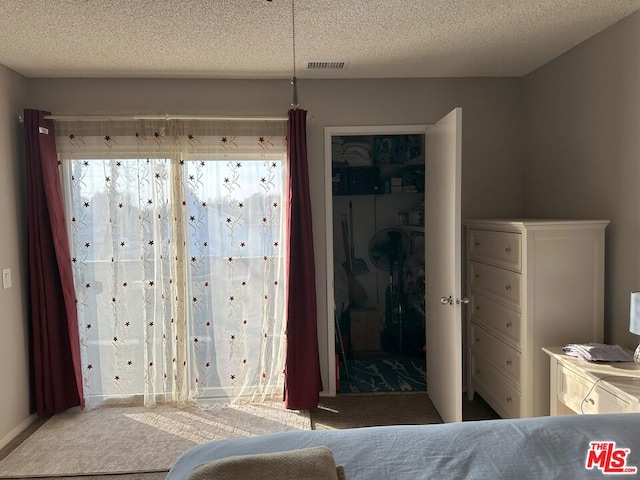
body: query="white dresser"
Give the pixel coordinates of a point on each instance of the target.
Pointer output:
(577, 386)
(531, 283)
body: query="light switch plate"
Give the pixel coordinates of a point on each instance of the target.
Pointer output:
(6, 278)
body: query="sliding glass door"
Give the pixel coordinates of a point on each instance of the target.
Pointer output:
(178, 252)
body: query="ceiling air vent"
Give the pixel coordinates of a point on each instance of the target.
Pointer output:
(325, 65)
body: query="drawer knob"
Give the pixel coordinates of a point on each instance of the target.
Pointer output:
(476, 244)
(508, 324)
(477, 275)
(508, 399)
(508, 287)
(477, 340)
(509, 362)
(477, 309)
(507, 250)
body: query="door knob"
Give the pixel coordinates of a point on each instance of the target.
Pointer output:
(446, 300)
(462, 300)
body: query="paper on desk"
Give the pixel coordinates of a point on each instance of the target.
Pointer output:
(598, 352)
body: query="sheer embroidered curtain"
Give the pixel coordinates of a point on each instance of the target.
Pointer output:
(177, 233)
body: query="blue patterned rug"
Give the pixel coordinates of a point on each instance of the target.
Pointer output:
(398, 374)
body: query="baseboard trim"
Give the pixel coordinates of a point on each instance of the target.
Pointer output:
(13, 434)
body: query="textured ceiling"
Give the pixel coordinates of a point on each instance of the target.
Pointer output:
(252, 38)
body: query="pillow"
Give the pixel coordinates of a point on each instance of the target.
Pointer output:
(316, 463)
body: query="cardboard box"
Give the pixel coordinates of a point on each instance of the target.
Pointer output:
(365, 329)
(339, 180)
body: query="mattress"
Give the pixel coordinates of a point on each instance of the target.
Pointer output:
(537, 448)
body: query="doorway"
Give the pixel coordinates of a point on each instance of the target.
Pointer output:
(443, 283)
(377, 210)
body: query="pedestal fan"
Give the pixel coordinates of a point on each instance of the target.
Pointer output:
(388, 249)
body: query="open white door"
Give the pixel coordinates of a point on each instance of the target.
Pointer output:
(443, 175)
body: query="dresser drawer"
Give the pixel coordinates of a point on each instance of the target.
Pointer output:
(503, 396)
(583, 396)
(497, 248)
(498, 283)
(493, 350)
(502, 320)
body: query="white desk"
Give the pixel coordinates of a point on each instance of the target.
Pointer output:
(577, 386)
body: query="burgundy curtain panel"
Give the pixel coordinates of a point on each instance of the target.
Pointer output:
(302, 361)
(54, 338)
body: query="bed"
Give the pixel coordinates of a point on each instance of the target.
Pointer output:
(540, 448)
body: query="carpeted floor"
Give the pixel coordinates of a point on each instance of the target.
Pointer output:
(134, 443)
(399, 408)
(137, 439)
(369, 410)
(114, 476)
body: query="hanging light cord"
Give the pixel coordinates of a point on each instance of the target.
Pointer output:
(293, 34)
(294, 80)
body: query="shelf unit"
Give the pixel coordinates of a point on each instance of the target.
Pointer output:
(375, 198)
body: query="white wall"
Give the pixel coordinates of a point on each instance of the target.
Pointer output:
(14, 367)
(492, 126)
(582, 157)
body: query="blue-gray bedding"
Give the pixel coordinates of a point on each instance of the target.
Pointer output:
(532, 448)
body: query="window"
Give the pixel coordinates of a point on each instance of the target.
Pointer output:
(178, 246)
